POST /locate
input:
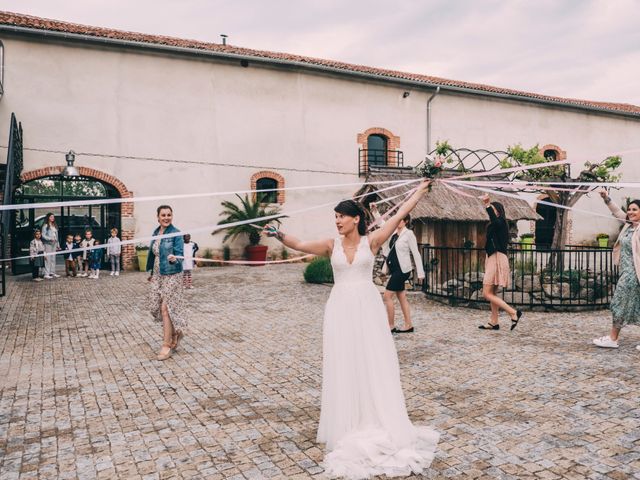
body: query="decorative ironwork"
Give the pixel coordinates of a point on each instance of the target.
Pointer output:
(370, 158)
(573, 278)
(461, 160)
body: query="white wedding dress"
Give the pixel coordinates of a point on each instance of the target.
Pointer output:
(363, 418)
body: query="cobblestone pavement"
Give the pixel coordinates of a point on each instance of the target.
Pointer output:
(83, 397)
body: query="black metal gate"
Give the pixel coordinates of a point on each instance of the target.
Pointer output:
(99, 218)
(12, 171)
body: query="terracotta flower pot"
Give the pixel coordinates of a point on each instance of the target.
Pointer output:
(256, 253)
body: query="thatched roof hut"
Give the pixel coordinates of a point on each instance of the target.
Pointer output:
(444, 204)
(447, 218)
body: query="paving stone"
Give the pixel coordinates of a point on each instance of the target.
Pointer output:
(83, 397)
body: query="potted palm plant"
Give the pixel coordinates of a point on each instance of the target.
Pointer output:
(248, 209)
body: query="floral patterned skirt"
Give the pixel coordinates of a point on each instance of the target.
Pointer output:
(170, 290)
(625, 304)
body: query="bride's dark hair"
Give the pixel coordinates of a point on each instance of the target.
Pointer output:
(352, 208)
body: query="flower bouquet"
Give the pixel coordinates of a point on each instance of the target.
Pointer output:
(429, 169)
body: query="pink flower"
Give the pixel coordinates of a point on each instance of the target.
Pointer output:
(438, 163)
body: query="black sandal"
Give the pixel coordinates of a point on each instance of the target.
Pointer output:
(489, 326)
(408, 330)
(514, 323)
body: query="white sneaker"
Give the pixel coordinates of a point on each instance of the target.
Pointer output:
(82, 275)
(95, 277)
(55, 275)
(605, 342)
(37, 279)
(117, 273)
(47, 277)
(112, 273)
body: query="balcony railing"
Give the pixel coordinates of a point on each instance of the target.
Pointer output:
(368, 158)
(573, 278)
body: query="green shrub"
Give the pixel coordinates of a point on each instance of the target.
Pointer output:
(285, 253)
(319, 271)
(526, 267)
(226, 253)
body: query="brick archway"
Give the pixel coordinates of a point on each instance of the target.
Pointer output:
(126, 209)
(272, 175)
(393, 143)
(560, 154)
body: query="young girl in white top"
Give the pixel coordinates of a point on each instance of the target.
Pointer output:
(190, 249)
(36, 249)
(114, 250)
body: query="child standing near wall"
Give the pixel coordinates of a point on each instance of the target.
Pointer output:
(36, 247)
(77, 256)
(86, 243)
(69, 259)
(114, 250)
(95, 260)
(190, 249)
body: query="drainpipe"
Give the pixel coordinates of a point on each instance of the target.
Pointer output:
(429, 119)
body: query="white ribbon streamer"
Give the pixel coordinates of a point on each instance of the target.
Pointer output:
(211, 228)
(542, 202)
(249, 262)
(107, 201)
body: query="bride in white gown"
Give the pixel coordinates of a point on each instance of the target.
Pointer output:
(363, 417)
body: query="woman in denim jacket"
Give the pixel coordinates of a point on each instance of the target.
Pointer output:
(165, 274)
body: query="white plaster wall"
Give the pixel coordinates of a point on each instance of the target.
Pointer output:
(127, 103)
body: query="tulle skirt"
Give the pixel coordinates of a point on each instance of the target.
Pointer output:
(363, 418)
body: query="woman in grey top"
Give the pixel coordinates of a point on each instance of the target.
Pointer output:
(51, 245)
(625, 304)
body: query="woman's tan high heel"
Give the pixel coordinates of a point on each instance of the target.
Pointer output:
(164, 356)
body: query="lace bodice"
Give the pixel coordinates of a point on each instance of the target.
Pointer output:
(361, 270)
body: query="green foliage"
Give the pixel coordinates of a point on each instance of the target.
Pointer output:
(527, 235)
(247, 209)
(226, 253)
(572, 277)
(532, 156)
(285, 253)
(527, 267)
(443, 148)
(601, 172)
(141, 247)
(319, 271)
(602, 235)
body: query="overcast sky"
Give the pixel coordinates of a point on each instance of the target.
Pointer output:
(586, 49)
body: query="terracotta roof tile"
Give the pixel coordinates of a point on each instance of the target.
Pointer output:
(28, 21)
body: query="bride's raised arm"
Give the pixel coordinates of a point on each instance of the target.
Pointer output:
(377, 238)
(314, 247)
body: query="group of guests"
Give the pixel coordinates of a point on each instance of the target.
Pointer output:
(81, 258)
(380, 440)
